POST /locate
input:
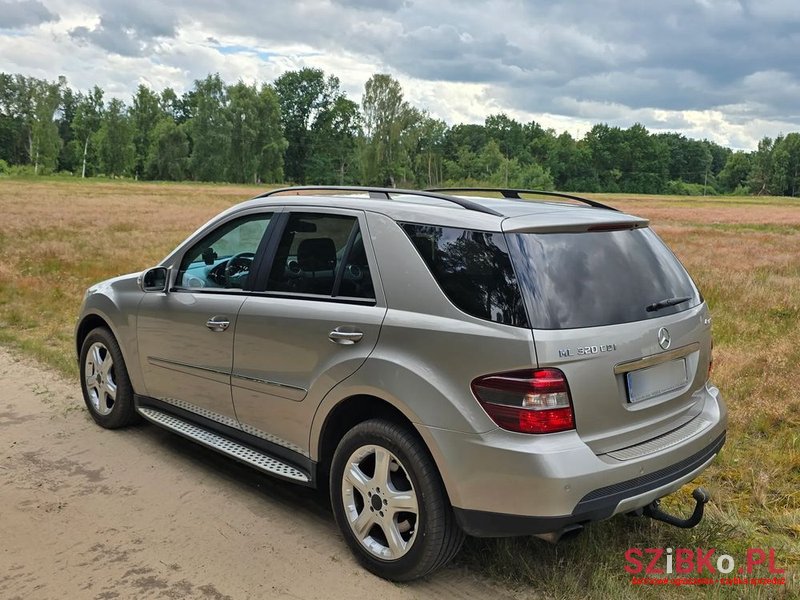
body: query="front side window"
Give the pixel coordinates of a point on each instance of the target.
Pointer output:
(473, 269)
(321, 254)
(223, 258)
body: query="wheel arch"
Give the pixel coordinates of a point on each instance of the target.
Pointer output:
(348, 413)
(90, 321)
(95, 317)
(351, 410)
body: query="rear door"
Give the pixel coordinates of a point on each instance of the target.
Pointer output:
(613, 308)
(313, 320)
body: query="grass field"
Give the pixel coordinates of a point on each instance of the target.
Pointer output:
(57, 237)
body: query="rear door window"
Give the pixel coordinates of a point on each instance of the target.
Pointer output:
(473, 269)
(321, 254)
(573, 280)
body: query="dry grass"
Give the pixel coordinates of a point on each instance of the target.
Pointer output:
(59, 237)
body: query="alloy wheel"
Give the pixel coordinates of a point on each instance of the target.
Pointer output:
(380, 502)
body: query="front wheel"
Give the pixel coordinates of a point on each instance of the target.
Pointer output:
(105, 384)
(390, 503)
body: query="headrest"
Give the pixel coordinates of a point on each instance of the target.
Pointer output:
(316, 254)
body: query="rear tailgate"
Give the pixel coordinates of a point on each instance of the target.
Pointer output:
(625, 388)
(613, 308)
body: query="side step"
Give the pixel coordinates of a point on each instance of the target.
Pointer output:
(254, 458)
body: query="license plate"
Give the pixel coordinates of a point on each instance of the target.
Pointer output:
(655, 381)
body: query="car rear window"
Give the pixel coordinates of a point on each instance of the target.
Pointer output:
(473, 269)
(573, 280)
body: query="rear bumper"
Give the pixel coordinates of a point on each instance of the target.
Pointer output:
(595, 506)
(502, 483)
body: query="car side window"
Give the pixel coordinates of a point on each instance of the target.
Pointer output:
(356, 280)
(223, 258)
(321, 254)
(473, 269)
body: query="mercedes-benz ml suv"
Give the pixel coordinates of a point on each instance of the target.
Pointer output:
(444, 363)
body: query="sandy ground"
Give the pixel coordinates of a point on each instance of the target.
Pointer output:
(143, 513)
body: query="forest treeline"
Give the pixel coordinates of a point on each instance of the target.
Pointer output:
(302, 128)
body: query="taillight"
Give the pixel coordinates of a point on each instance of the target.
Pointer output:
(527, 401)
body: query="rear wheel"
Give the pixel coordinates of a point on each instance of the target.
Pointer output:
(106, 387)
(390, 504)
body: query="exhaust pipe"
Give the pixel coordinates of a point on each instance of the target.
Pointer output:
(565, 533)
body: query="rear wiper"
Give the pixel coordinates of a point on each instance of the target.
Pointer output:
(665, 303)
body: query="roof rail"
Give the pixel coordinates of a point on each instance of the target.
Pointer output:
(514, 194)
(385, 194)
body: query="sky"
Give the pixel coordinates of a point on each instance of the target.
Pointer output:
(725, 70)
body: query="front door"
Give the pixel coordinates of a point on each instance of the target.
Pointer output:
(311, 324)
(186, 335)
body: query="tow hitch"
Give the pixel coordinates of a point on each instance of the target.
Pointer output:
(653, 510)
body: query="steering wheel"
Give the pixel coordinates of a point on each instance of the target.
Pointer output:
(238, 266)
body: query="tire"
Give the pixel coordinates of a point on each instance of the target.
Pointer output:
(105, 383)
(395, 544)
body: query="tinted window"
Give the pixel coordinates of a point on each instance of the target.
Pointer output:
(356, 280)
(223, 258)
(473, 269)
(321, 254)
(598, 278)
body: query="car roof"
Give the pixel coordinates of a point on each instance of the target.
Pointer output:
(479, 212)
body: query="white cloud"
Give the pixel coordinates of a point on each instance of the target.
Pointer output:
(725, 70)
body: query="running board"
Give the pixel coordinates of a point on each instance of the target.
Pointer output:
(249, 456)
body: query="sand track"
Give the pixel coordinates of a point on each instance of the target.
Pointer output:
(142, 513)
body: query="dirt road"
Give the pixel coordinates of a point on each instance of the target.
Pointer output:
(142, 513)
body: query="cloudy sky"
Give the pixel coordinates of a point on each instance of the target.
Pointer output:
(726, 70)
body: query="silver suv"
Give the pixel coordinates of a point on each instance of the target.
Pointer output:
(444, 363)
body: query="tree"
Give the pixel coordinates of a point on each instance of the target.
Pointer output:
(115, 141)
(13, 133)
(627, 160)
(429, 153)
(509, 136)
(785, 176)
(256, 145)
(761, 170)
(170, 104)
(494, 164)
(88, 119)
(43, 99)
(470, 137)
(209, 128)
(387, 121)
(735, 172)
(168, 156)
(68, 158)
(242, 114)
(145, 114)
(303, 95)
(270, 141)
(334, 140)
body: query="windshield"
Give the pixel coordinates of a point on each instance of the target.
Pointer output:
(573, 280)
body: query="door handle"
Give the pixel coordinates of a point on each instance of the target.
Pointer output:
(218, 323)
(344, 337)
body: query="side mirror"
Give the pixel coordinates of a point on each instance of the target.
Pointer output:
(154, 280)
